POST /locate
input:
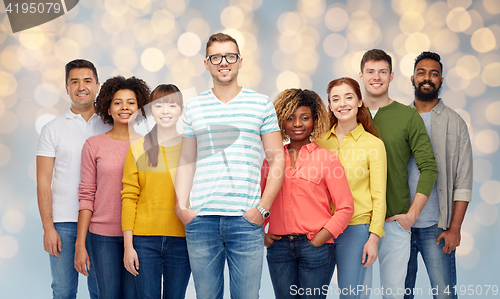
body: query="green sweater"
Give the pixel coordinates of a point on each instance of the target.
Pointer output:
(403, 132)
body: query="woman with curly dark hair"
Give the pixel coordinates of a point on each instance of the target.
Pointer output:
(154, 236)
(301, 226)
(103, 157)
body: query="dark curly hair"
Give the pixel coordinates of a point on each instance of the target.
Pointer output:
(114, 84)
(289, 100)
(428, 55)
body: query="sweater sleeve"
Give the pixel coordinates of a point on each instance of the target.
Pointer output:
(341, 195)
(421, 149)
(378, 185)
(88, 183)
(462, 185)
(130, 192)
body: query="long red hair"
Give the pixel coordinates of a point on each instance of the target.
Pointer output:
(363, 116)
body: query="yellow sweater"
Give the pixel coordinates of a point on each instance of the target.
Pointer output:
(148, 195)
(365, 163)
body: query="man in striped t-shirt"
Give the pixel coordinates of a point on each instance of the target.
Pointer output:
(219, 171)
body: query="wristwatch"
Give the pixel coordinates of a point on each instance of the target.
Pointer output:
(265, 213)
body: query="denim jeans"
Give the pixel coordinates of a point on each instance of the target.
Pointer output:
(393, 254)
(211, 240)
(299, 269)
(64, 275)
(348, 255)
(114, 281)
(440, 266)
(162, 255)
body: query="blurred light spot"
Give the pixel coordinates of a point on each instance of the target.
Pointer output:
(311, 35)
(486, 141)
(491, 74)
(29, 58)
(458, 20)
(483, 40)
(468, 67)
(13, 221)
(8, 84)
(32, 170)
(406, 65)
(33, 208)
(363, 30)
(411, 22)
(251, 43)
(352, 62)
(152, 59)
(306, 61)
(485, 214)
(399, 44)
(492, 6)
(282, 61)
(177, 7)
(2, 107)
(291, 23)
(403, 6)
(336, 19)
(42, 121)
(404, 84)
(116, 7)
(8, 247)
(250, 76)
(232, 17)
(475, 88)
(163, 21)
(455, 82)
(476, 22)
(237, 35)
(142, 7)
(144, 32)
(445, 41)
(466, 244)
(113, 24)
(32, 38)
(459, 3)
(290, 43)
(5, 154)
(493, 113)
(66, 50)
(125, 59)
(189, 44)
(489, 192)
(465, 116)
(312, 8)
(417, 42)
(81, 34)
(471, 260)
(454, 99)
(335, 45)
(46, 94)
(435, 13)
(482, 170)
(8, 59)
(200, 27)
(171, 56)
(287, 79)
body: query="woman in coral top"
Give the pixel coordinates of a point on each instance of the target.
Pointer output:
(155, 240)
(354, 139)
(99, 194)
(301, 226)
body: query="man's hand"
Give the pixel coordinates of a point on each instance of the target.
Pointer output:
(185, 215)
(403, 219)
(52, 241)
(451, 239)
(254, 216)
(270, 238)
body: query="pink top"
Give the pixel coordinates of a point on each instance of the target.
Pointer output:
(302, 205)
(100, 189)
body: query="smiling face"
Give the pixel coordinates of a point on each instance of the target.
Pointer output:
(427, 80)
(300, 124)
(344, 103)
(123, 105)
(376, 76)
(166, 114)
(223, 73)
(82, 88)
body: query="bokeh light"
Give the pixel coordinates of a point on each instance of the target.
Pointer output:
(125, 59)
(493, 113)
(335, 45)
(5, 154)
(491, 74)
(46, 94)
(8, 246)
(287, 79)
(454, 81)
(489, 192)
(485, 213)
(445, 41)
(232, 17)
(417, 42)
(458, 20)
(466, 244)
(411, 22)
(8, 59)
(483, 169)
(486, 141)
(13, 221)
(470, 261)
(152, 59)
(454, 99)
(336, 19)
(492, 6)
(468, 67)
(8, 122)
(483, 40)
(189, 44)
(312, 8)
(163, 21)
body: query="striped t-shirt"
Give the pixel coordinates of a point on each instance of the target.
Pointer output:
(227, 177)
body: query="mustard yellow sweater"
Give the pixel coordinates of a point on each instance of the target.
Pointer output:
(148, 195)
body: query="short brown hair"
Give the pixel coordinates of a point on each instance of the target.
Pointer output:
(220, 38)
(80, 64)
(377, 55)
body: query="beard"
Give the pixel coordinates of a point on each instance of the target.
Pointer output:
(428, 96)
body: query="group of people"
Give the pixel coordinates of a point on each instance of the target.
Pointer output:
(358, 179)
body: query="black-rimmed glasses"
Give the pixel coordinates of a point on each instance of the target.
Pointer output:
(217, 58)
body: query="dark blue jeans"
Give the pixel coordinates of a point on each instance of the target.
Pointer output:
(114, 281)
(162, 255)
(298, 268)
(440, 266)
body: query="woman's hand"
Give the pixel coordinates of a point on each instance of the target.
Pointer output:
(131, 261)
(370, 250)
(82, 261)
(270, 238)
(321, 237)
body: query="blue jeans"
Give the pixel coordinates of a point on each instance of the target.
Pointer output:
(393, 255)
(348, 255)
(64, 275)
(162, 255)
(114, 281)
(211, 240)
(298, 268)
(440, 266)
